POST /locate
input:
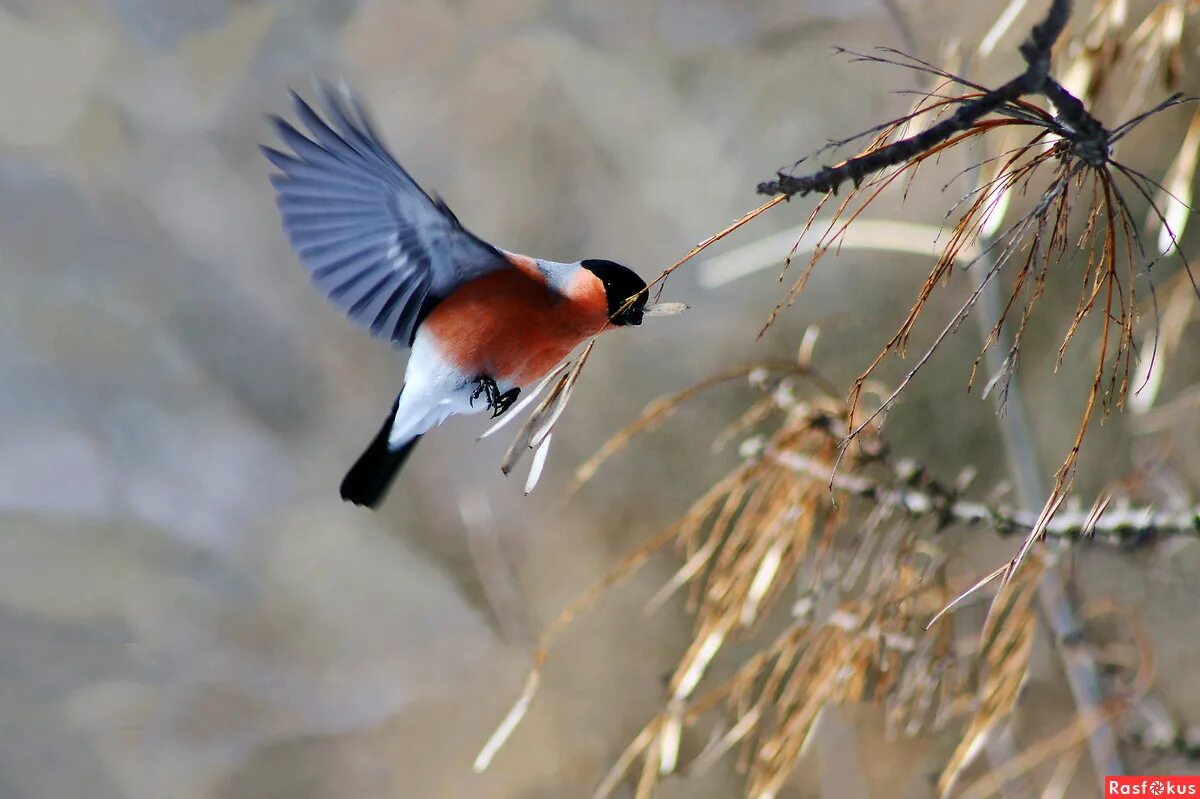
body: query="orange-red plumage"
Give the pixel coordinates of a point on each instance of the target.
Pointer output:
(510, 325)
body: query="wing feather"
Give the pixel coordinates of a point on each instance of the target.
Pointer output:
(382, 249)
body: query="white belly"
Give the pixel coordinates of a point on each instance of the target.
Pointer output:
(434, 390)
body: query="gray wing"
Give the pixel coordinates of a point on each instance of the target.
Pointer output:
(383, 250)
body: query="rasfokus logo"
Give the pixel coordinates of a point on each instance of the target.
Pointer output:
(1160, 785)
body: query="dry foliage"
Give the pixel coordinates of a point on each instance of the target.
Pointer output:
(862, 579)
(817, 548)
(1078, 215)
(839, 591)
(1041, 238)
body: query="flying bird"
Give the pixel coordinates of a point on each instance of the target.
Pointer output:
(483, 323)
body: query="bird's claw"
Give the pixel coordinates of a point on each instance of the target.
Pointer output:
(497, 402)
(487, 387)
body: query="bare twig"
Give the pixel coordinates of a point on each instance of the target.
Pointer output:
(1122, 525)
(1089, 139)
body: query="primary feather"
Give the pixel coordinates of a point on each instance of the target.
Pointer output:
(374, 241)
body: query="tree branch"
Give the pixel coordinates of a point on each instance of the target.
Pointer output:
(1089, 139)
(1125, 525)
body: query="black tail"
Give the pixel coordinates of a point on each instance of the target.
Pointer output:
(369, 477)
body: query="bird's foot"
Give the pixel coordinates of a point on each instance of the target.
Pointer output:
(485, 386)
(497, 402)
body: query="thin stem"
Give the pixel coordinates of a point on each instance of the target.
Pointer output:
(1082, 673)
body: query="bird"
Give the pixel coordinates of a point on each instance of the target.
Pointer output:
(482, 323)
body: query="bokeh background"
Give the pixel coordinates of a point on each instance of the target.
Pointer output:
(188, 610)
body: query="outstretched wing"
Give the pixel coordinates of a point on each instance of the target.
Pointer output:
(383, 250)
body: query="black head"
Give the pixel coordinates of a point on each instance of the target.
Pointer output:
(620, 284)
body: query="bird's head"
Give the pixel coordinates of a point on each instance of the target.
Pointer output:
(621, 284)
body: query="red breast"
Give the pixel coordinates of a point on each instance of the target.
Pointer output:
(510, 325)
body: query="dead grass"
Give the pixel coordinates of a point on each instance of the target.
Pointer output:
(818, 549)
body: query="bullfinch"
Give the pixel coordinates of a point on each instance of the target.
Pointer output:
(483, 323)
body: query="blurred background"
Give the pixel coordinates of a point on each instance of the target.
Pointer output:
(188, 610)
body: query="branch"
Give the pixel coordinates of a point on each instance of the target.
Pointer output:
(1089, 139)
(1124, 525)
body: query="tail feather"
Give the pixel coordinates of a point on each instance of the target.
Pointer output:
(369, 477)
